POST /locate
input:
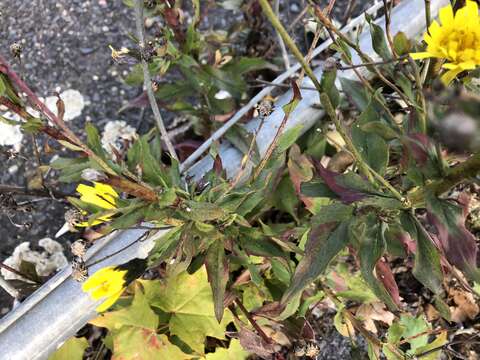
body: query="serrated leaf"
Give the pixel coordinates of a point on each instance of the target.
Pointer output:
(189, 300)
(72, 349)
(138, 314)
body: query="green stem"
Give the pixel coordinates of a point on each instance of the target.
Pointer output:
(421, 97)
(270, 14)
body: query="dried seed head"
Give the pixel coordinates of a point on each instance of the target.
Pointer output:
(16, 49)
(79, 248)
(79, 270)
(312, 350)
(330, 64)
(265, 108)
(73, 217)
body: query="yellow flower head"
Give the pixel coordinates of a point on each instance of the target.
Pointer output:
(457, 40)
(107, 283)
(100, 195)
(110, 282)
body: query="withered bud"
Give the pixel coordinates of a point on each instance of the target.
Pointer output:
(312, 350)
(79, 270)
(265, 107)
(330, 64)
(93, 175)
(79, 248)
(73, 217)
(16, 49)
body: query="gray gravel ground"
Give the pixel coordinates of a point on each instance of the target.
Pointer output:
(65, 46)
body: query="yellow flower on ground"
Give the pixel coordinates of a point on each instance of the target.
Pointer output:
(457, 40)
(107, 283)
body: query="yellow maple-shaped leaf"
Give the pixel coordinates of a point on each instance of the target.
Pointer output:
(72, 349)
(234, 352)
(132, 343)
(188, 298)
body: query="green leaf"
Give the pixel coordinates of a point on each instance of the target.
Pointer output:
(138, 314)
(439, 341)
(203, 211)
(217, 270)
(324, 243)
(93, 140)
(246, 64)
(380, 129)
(164, 246)
(189, 300)
(372, 247)
(288, 138)
(427, 268)
(379, 41)
(401, 44)
(72, 349)
(372, 148)
(329, 87)
(285, 198)
(412, 327)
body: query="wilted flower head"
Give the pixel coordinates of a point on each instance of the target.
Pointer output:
(457, 40)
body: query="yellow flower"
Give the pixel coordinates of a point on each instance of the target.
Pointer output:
(110, 282)
(101, 195)
(457, 40)
(107, 283)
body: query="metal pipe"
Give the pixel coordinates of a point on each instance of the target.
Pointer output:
(57, 310)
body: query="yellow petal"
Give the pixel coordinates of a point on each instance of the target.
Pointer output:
(105, 189)
(96, 279)
(109, 302)
(446, 15)
(450, 75)
(420, 55)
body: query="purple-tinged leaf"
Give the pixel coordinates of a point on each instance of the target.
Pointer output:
(332, 179)
(458, 244)
(385, 275)
(253, 343)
